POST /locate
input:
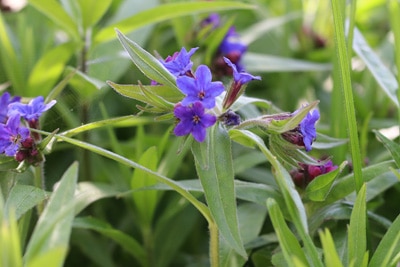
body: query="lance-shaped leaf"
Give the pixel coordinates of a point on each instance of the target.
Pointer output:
(319, 188)
(393, 147)
(217, 177)
(149, 65)
(382, 74)
(288, 242)
(54, 225)
(165, 12)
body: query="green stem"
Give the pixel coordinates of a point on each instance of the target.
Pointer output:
(214, 244)
(39, 181)
(343, 59)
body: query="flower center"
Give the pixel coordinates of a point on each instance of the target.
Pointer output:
(196, 119)
(201, 95)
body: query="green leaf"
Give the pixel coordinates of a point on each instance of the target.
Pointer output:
(217, 178)
(123, 121)
(50, 257)
(381, 73)
(357, 239)
(145, 201)
(259, 29)
(345, 185)
(293, 202)
(84, 85)
(22, 198)
(327, 142)
(9, 59)
(255, 62)
(55, 12)
(165, 12)
(388, 247)
(54, 225)
(393, 147)
(128, 243)
(288, 242)
(10, 245)
(48, 70)
(148, 64)
(319, 188)
(89, 192)
(92, 11)
(330, 253)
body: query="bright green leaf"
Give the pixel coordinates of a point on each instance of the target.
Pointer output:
(288, 242)
(54, 225)
(165, 12)
(92, 11)
(393, 147)
(145, 201)
(55, 12)
(217, 178)
(357, 230)
(382, 74)
(148, 64)
(319, 188)
(48, 70)
(330, 253)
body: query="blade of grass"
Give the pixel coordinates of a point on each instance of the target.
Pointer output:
(343, 61)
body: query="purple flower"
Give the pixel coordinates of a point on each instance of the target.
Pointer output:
(307, 128)
(12, 135)
(5, 100)
(200, 88)
(193, 119)
(31, 111)
(242, 77)
(179, 64)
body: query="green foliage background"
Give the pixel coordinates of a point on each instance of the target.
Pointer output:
(119, 206)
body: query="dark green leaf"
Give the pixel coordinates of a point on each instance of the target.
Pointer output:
(393, 147)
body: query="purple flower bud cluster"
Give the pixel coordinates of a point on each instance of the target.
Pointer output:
(16, 140)
(306, 173)
(304, 134)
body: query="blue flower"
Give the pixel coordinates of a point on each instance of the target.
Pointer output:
(200, 88)
(5, 100)
(307, 128)
(12, 134)
(31, 111)
(242, 77)
(193, 119)
(179, 64)
(213, 21)
(231, 43)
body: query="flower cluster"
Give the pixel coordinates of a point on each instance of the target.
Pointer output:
(305, 133)
(200, 94)
(306, 173)
(16, 140)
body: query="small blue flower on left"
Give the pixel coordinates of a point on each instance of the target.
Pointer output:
(194, 120)
(16, 139)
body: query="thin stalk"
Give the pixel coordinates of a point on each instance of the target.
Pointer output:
(394, 11)
(214, 244)
(350, 33)
(120, 159)
(343, 60)
(39, 181)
